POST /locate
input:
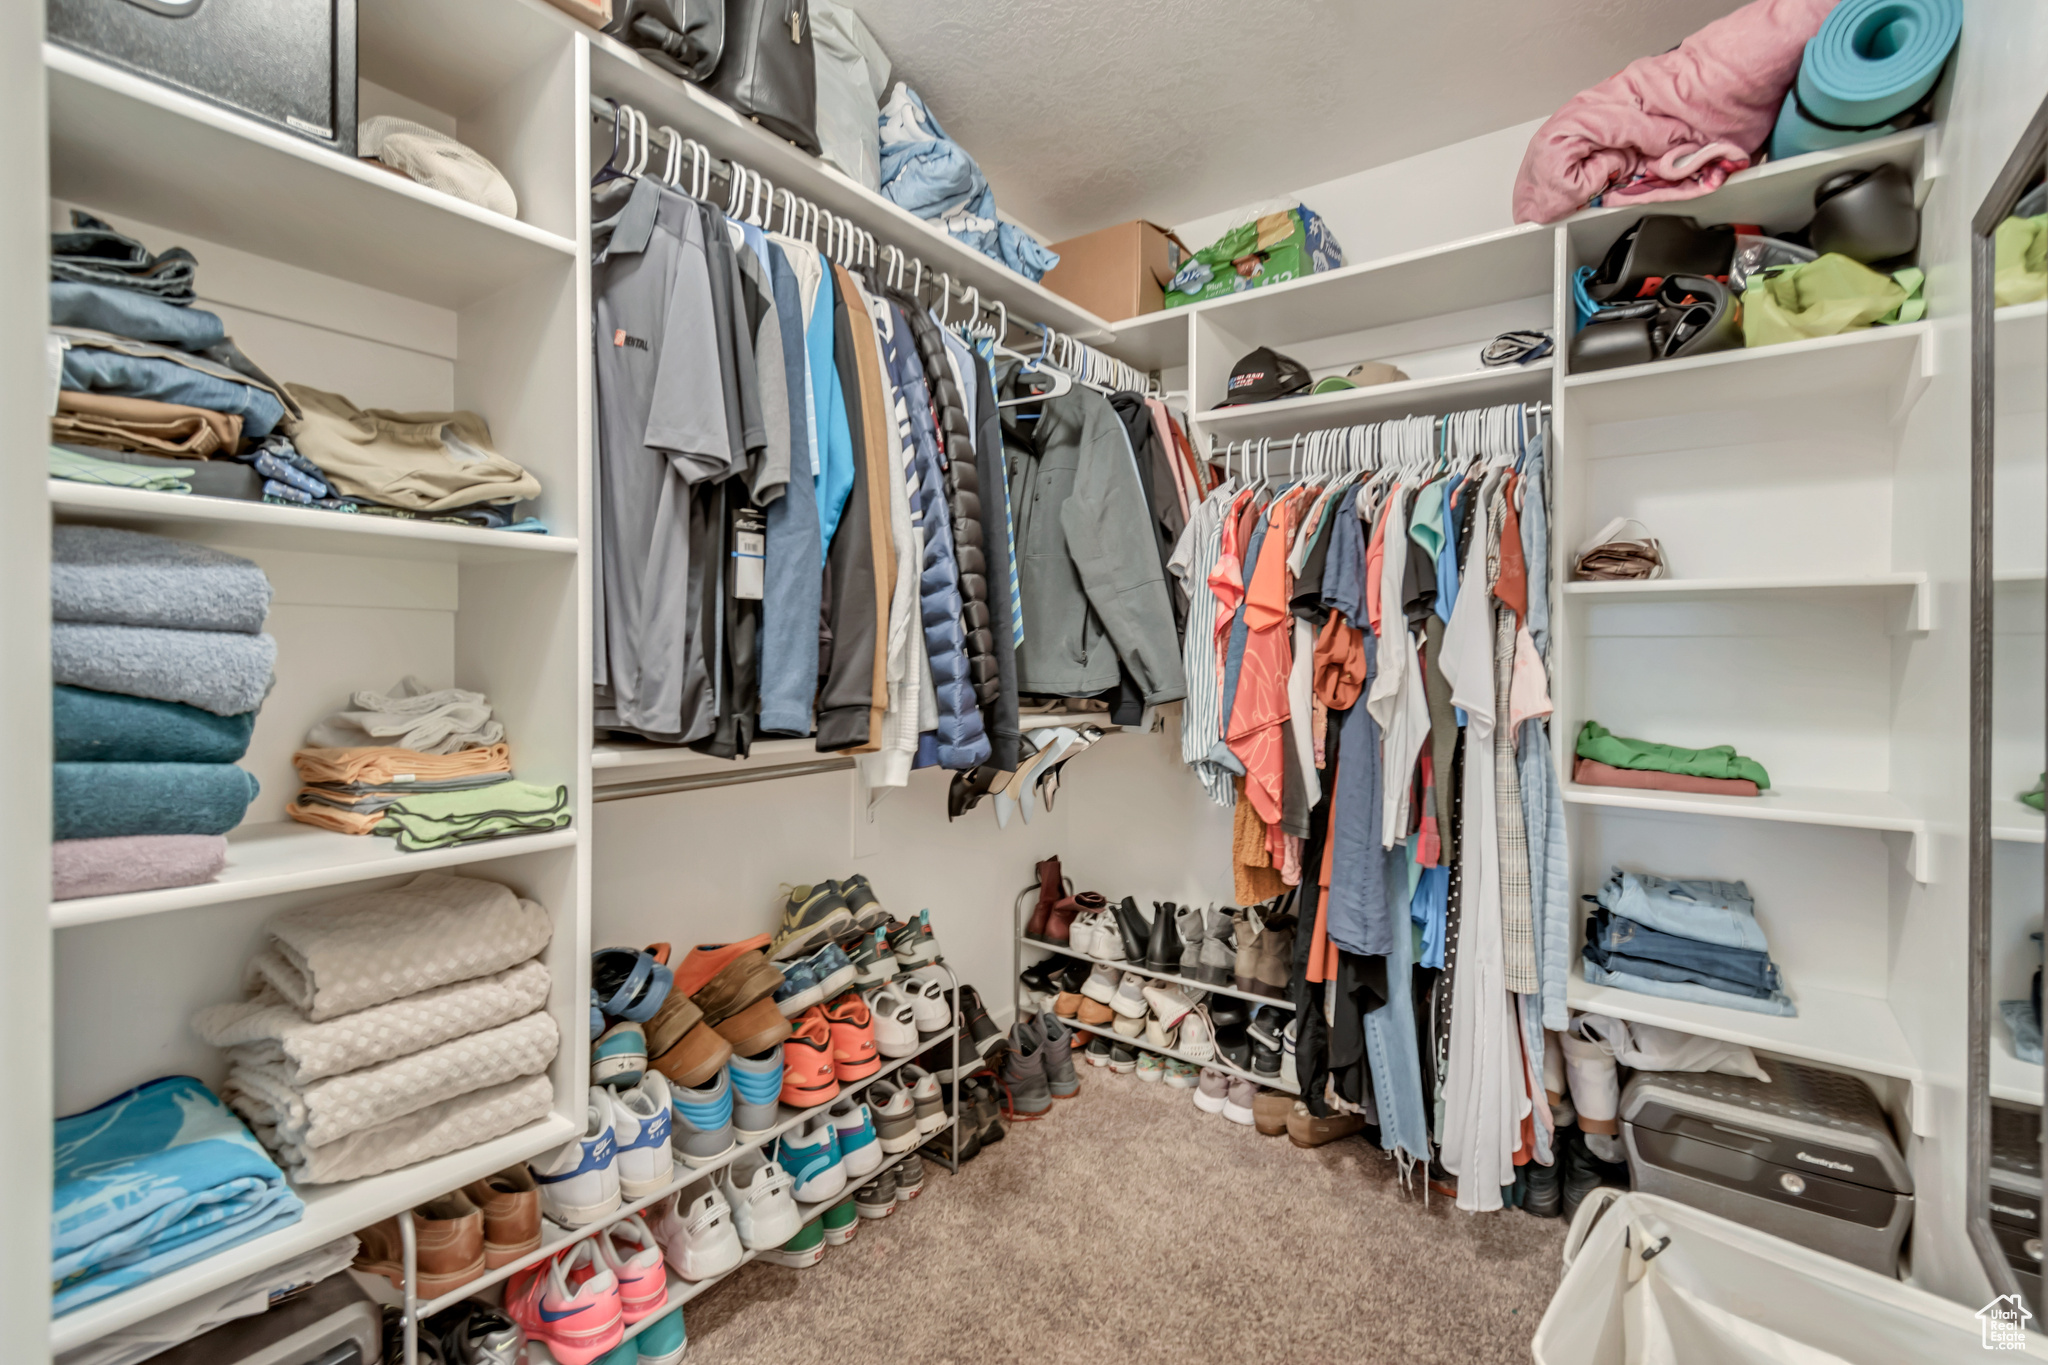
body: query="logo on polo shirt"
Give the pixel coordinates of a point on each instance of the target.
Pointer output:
(619, 338)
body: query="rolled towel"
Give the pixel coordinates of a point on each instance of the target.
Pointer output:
(106, 800)
(449, 1126)
(363, 949)
(106, 727)
(224, 672)
(133, 862)
(125, 578)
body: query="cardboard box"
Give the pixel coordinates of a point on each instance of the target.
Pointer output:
(1119, 272)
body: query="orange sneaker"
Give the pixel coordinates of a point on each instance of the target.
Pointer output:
(808, 1078)
(854, 1055)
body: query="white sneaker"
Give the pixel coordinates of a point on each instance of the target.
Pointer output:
(1167, 1004)
(860, 1147)
(1081, 935)
(1212, 1090)
(895, 1113)
(1109, 937)
(926, 1096)
(640, 1118)
(1129, 999)
(579, 1182)
(1289, 1078)
(810, 1154)
(895, 1023)
(1237, 1103)
(1197, 1037)
(764, 1212)
(699, 1242)
(927, 1000)
(1158, 1034)
(1100, 985)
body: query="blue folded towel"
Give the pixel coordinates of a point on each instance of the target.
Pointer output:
(126, 578)
(106, 727)
(224, 672)
(153, 1179)
(104, 800)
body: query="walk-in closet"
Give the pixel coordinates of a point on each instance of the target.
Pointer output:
(859, 680)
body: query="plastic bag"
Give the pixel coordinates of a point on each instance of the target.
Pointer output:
(1754, 255)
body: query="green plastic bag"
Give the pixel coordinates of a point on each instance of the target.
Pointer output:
(1823, 297)
(1267, 251)
(2021, 249)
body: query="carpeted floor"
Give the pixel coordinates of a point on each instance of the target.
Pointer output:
(1132, 1228)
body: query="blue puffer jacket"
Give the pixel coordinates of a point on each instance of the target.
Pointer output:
(962, 739)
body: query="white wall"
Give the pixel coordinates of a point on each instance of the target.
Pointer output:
(1441, 196)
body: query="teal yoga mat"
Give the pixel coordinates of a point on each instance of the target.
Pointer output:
(1871, 61)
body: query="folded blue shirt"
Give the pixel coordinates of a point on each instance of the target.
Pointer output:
(94, 369)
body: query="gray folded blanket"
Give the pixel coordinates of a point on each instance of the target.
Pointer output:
(133, 862)
(224, 672)
(126, 578)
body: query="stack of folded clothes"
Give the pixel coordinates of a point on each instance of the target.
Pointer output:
(428, 769)
(1608, 760)
(159, 659)
(1684, 940)
(154, 394)
(152, 1180)
(389, 1027)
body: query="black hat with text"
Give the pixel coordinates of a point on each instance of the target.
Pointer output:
(1262, 376)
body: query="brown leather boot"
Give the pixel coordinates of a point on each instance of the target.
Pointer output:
(449, 1233)
(510, 1201)
(1051, 889)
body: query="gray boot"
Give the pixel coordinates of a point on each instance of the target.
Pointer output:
(1218, 956)
(1059, 1057)
(1188, 919)
(1024, 1072)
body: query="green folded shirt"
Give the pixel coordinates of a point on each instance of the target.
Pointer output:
(78, 468)
(443, 819)
(1721, 761)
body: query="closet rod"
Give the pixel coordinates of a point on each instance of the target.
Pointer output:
(909, 271)
(1266, 445)
(662, 786)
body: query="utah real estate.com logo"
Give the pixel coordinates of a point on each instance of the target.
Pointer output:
(2005, 1323)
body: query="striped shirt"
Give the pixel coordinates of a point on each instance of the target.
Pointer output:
(1201, 721)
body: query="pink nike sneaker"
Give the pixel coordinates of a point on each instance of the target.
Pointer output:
(634, 1258)
(578, 1325)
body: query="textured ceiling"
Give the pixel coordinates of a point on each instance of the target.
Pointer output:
(1090, 112)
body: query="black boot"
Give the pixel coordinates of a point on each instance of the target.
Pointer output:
(1543, 1190)
(1162, 954)
(1136, 933)
(980, 1028)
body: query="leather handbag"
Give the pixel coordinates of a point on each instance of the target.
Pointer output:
(769, 71)
(683, 36)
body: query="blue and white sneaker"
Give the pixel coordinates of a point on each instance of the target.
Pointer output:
(642, 1119)
(664, 1342)
(702, 1131)
(756, 1094)
(834, 969)
(860, 1147)
(799, 989)
(811, 1155)
(619, 1058)
(579, 1181)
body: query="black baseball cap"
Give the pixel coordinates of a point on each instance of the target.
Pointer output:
(1262, 376)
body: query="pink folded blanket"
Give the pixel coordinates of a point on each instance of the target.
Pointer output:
(133, 862)
(1672, 126)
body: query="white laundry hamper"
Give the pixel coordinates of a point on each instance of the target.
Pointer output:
(1718, 1293)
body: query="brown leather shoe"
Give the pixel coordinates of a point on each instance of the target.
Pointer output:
(754, 1029)
(681, 1046)
(510, 1201)
(450, 1240)
(1269, 1111)
(748, 977)
(1306, 1130)
(1095, 1012)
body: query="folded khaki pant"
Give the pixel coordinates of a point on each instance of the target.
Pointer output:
(111, 422)
(425, 461)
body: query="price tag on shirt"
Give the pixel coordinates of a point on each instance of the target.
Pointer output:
(749, 553)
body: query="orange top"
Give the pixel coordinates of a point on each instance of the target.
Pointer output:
(1260, 706)
(1513, 587)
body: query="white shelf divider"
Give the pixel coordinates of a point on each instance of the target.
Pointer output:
(1914, 586)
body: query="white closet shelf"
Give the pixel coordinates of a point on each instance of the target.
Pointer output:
(1413, 397)
(233, 522)
(1837, 807)
(1270, 1082)
(2012, 1079)
(269, 858)
(331, 1211)
(131, 147)
(1153, 341)
(1884, 366)
(2020, 341)
(2016, 822)
(1495, 267)
(1858, 1032)
(618, 72)
(2019, 579)
(1913, 585)
(1777, 194)
(1062, 950)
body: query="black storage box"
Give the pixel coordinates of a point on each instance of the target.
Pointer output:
(287, 63)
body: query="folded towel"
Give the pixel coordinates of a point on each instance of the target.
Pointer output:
(1593, 773)
(411, 717)
(386, 764)
(267, 1031)
(225, 672)
(155, 1178)
(327, 1110)
(126, 578)
(321, 815)
(450, 1126)
(364, 949)
(133, 862)
(442, 819)
(357, 809)
(105, 800)
(107, 727)
(77, 467)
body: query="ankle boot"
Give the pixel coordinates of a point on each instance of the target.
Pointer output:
(1137, 934)
(1051, 887)
(1059, 924)
(1188, 920)
(1217, 953)
(1273, 965)
(1162, 950)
